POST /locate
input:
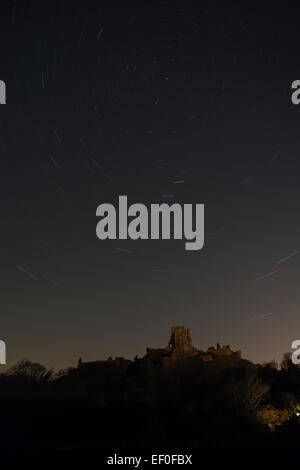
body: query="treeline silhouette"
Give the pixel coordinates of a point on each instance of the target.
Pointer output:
(201, 405)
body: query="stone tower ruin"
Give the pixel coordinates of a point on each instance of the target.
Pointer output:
(180, 344)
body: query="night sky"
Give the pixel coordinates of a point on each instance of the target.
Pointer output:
(106, 100)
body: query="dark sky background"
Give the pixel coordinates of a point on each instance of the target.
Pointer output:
(104, 100)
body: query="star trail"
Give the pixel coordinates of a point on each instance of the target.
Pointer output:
(165, 103)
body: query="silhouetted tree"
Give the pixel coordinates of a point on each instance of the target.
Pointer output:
(247, 393)
(31, 370)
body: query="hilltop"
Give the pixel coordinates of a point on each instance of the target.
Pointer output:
(175, 394)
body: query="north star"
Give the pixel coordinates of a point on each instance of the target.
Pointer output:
(119, 460)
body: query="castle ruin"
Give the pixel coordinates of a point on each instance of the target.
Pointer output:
(179, 348)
